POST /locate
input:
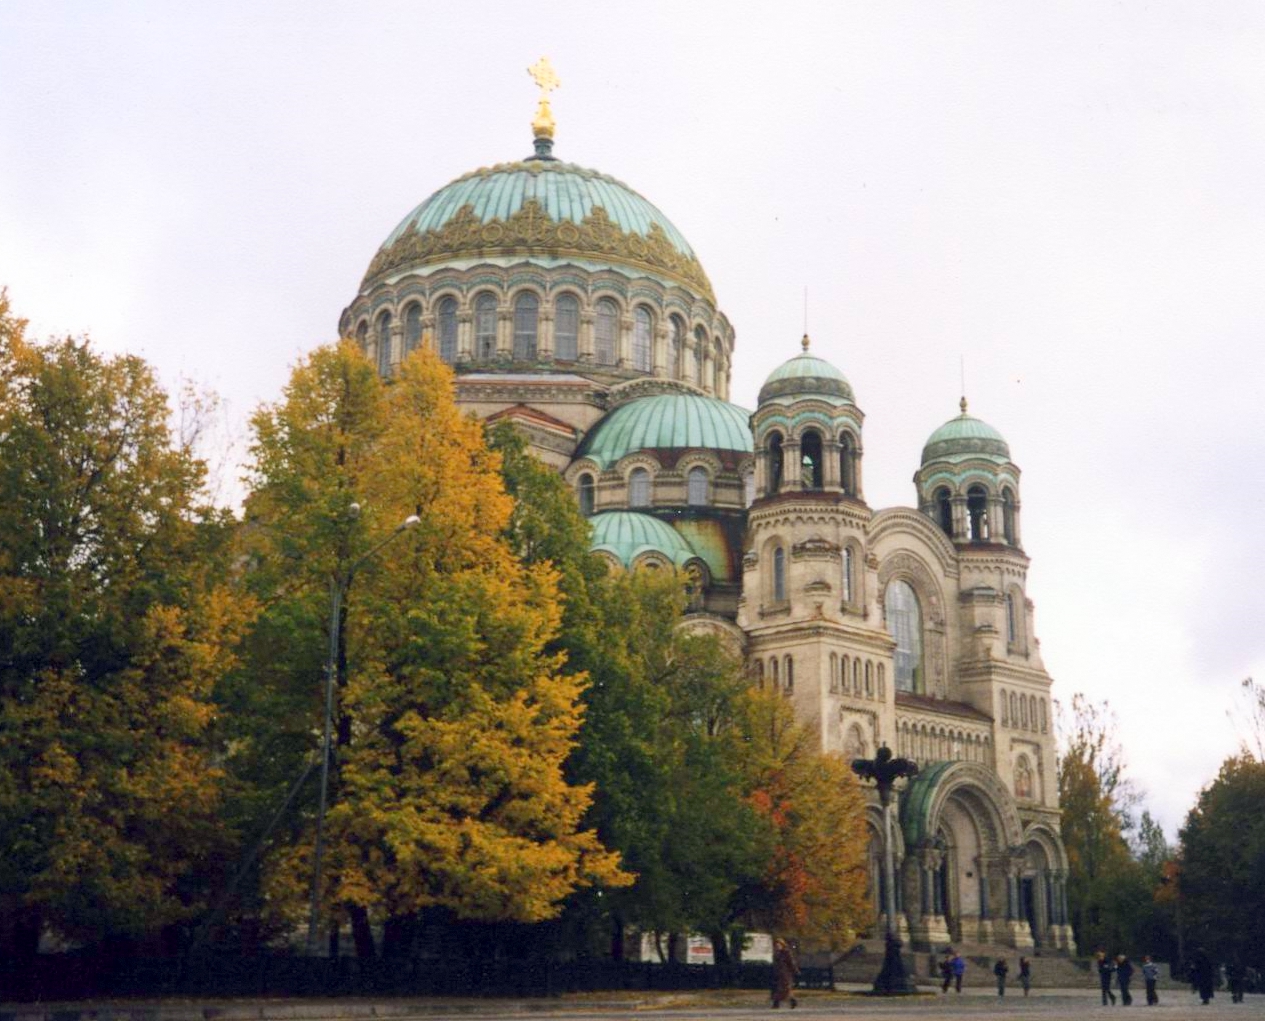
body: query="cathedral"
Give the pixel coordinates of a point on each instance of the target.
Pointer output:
(570, 306)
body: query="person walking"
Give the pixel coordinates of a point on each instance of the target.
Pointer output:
(1150, 975)
(946, 969)
(1105, 971)
(958, 964)
(1025, 974)
(1201, 973)
(1001, 969)
(785, 968)
(1124, 975)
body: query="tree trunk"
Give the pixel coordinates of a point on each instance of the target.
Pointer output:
(361, 933)
(617, 938)
(720, 948)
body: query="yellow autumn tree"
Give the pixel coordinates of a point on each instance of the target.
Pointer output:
(815, 884)
(116, 623)
(453, 721)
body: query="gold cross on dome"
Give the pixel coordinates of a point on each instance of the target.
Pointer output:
(544, 75)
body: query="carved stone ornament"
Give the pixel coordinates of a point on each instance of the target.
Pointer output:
(531, 229)
(815, 548)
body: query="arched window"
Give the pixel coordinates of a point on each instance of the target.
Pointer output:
(1045, 727)
(834, 673)
(773, 672)
(447, 323)
(676, 340)
(846, 581)
(566, 327)
(717, 372)
(362, 335)
(759, 674)
(696, 485)
(1032, 711)
(700, 346)
(844, 677)
(904, 624)
(1014, 709)
(643, 337)
(639, 488)
(847, 466)
(856, 678)
(977, 510)
(1012, 629)
(882, 682)
(384, 343)
(412, 328)
(779, 575)
(869, 679)
(1023, 712)
(606, 332)
(1008, 515)
(748, 488)
(854, 744)
(810, 460)
(586, 494)
(775, 462)
(485, 327)
(944, 511)
(789, 683)
(1005, 708)
(526, 311)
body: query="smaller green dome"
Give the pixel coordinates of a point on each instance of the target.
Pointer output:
(965, 437)
(626, 535)
(806, 375)
(675, 421)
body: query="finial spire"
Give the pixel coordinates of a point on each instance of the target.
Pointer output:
(804, 343)
(542, 125)
(962, 404)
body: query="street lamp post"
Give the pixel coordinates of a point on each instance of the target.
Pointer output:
(885, 771)
(338, 585)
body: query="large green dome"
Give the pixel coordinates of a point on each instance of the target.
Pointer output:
(675, 421)
(806, 375)
(626, 535)
(539, 207)
(965, 437)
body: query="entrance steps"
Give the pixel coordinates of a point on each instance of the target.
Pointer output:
(1050, 971)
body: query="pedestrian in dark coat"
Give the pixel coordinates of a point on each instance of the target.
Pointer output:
(946, 972)
(958, 964)
(1001, 969)
(1105, 970)
(1124, 975)
(1150, 975)
(785, 969)
(1025, 974)
(1202, 974)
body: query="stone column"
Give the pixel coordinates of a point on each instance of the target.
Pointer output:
(623, 353)
(397, 343)
(465, 335)
(544, 334)
(659, 353)
(585, 352)
(504, 333)
(996, 526)
(792, 474)
(957, 506)
(429, 340)
(709, 375)
(830, 479)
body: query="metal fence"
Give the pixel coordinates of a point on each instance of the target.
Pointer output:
(74, 977)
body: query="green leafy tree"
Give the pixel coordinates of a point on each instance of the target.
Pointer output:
(1222, 864)
(453, 717)
(116, 623)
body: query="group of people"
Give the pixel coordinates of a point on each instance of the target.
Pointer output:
(953, 967)
(1121, 969)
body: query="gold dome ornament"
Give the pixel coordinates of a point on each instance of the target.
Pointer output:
(542, 125)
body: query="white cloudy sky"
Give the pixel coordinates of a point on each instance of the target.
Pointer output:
(1070, 197)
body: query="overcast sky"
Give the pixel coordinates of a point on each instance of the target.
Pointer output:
(1069, 197)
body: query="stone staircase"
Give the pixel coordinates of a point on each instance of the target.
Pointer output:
(1052, 971)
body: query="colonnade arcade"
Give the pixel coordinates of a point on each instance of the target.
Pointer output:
(969, 870)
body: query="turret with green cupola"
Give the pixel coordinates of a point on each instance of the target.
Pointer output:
(968, 484)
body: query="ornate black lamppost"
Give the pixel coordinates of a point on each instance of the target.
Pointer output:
(885, 771)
